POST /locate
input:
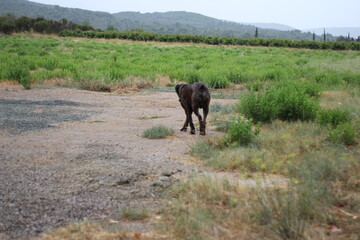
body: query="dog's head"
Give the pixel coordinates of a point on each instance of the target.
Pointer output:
(178, 88)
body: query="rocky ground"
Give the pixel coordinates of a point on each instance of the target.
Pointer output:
(69, 155)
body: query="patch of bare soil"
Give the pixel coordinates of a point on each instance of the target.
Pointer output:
(70, 155)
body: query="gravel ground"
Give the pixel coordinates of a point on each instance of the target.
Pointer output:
(70, 155)
(19, 116)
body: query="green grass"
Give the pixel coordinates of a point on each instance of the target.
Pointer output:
(221, 108)
(332, 117)
(318, 157)
(321, 182)
(159, 131)
(150, 117)
(115, 62)
(303, 91)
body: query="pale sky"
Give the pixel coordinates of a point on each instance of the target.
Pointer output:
(300, 14)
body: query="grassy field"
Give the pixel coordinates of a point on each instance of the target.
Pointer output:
(297, 117)
(99, 63)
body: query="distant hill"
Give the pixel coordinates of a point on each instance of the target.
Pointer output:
(31, 9)
(168, 22)
(354, 32)
(275, 26)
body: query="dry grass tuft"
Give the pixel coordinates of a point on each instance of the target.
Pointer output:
(207, 208)
(335, 99)
(92, 231)
(84, 231)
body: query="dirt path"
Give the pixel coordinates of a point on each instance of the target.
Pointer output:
(68, 155)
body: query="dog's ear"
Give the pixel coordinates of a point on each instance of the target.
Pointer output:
(177, 89)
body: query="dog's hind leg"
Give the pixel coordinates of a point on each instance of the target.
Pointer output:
(191, 123)
(184, 128)
(203, 123)
(196, 111)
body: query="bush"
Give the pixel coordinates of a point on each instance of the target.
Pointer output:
(20, 74)
(332, 117)
(239, 77)
(294, 104)
(282, 101)
(255, 86)
(240, 132)
(192, 77)
(328, 78)
(310, 88)
(25, 80)
(159, 131)
(344, 133)
(50, 63)
(216, 80)
(257, 107)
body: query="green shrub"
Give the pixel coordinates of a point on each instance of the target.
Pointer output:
(255, 86)
(332, 117)
(294, 104)
(192, 77)
(114, 74)
(20, 74)
(239, 77)
(25, 80)
(260, 107)
(216, 80)
(344, 133)
(159, 131)
(309, 88)
(351, 78)
(50, 63)
(240, 132)
(273, 74)
(327, 78)
(280, 101)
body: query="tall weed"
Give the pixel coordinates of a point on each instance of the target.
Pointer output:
(344, 133)
(240, 132)
(19, 73)
(280, 101)
(332, 117)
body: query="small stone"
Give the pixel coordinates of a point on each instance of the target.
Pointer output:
(167, 173)
(158, 183)
(122, 181)
(164, 179)
(113, 222)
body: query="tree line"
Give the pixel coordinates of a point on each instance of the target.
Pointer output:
(139, 35)
(11, 24)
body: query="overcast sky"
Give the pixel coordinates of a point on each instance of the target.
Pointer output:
(300, 14)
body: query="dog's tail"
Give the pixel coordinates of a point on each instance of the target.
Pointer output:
(203, 87)
(203, 96)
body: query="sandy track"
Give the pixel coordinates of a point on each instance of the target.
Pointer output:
(75, 155)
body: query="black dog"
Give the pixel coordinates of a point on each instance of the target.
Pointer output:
(192, 97)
